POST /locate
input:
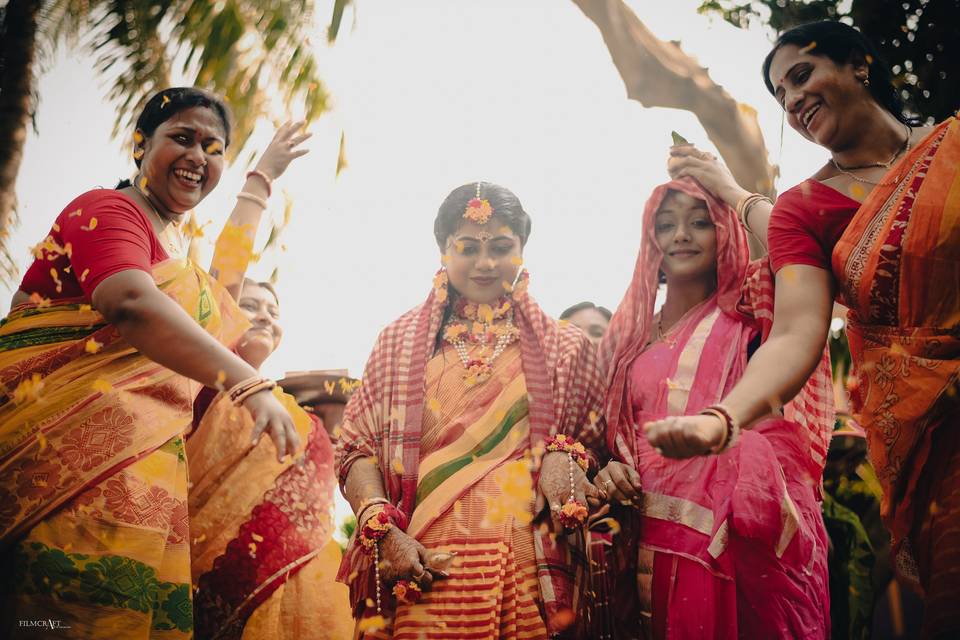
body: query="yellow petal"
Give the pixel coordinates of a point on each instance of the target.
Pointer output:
(102, 386)
(92, 346)
(373, 623)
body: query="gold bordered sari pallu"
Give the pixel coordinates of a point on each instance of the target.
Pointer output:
(261, 530)
(93, 478)
(898, 267)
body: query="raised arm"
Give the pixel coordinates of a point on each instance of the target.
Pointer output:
(775, 373)
(705, 168)
(234, 248)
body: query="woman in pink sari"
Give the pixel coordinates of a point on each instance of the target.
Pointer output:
(723, 546)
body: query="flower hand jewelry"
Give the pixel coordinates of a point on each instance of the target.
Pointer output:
(407, 592)
(573, 513)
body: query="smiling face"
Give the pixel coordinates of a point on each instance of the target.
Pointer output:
(824, 102)
(262, 309)
(687, 237)
(480, 259)
(183, 159)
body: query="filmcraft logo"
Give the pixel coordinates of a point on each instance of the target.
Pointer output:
(49, 623)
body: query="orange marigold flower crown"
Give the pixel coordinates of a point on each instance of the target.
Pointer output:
(478, 210)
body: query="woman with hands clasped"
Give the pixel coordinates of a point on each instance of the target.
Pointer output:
(732, 544)
(475, 417)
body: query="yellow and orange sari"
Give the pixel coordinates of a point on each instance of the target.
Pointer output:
(264, 560)
(898, 268)
(93, 475)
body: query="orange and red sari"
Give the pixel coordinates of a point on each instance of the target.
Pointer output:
(93, 476)
(264, 562)
(898, 269)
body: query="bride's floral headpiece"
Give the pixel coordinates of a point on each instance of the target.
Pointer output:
(478, 210)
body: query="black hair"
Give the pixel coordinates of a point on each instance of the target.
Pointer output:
(165, 104)
(580, 306)
(506, 207)
(842, 44)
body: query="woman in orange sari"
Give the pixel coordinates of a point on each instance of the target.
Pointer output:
(112, 326)
(264, 560)
(877, 228)
(445, 441)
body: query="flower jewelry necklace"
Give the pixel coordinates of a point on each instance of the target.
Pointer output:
(477, 324)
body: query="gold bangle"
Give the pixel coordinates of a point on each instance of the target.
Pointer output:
(748, 207)
(726, 429)
(240, 385)
(263, 385)
(243, 195)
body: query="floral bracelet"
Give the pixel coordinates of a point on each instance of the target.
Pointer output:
(407, 591)
(574, 512)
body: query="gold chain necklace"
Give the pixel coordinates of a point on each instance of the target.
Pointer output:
(847, 171)
(173, 248)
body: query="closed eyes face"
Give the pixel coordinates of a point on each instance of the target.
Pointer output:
(823, 102)
(482, 259)
(687, 236)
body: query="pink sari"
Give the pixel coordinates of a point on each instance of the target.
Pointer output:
(730, 545)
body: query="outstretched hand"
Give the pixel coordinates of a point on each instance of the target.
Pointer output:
(685, 436)
(283, 149)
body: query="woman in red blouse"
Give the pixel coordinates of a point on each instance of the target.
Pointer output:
(878, 229)
(111, 327)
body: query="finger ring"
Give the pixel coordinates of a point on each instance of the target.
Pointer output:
(607, 483)
(555, 507)
(420, 575)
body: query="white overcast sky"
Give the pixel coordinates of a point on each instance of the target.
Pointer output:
(433, 94)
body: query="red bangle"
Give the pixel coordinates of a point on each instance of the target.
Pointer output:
(266, 179)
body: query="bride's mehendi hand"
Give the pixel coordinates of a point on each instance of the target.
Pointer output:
(403, 558)
(554, 483)
(685, 436)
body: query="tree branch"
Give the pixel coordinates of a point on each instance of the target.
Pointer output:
(660, 74)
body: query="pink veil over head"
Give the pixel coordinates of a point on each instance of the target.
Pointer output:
(744, 290)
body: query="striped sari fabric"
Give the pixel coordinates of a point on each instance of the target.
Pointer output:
(93, 474)
(555, 388)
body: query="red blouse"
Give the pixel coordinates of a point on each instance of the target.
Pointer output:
(806, 223)
(98, 234)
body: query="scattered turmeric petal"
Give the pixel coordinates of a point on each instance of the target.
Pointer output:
(92, 346)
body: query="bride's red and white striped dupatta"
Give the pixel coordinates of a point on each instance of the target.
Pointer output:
(384, 419)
